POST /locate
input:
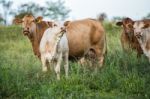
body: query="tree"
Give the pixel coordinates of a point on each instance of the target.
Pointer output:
(102, 16)
(53, 10)
(147, 16)
(6, 8)
(1, 19)
(117, 18)
(28, 8)
(56, 10)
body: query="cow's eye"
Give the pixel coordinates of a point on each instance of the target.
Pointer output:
(32, 21)
(146, 26)
(130, 26)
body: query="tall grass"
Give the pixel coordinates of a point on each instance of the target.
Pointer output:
(123, 76)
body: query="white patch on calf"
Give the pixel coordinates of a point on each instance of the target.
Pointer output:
(54, 45)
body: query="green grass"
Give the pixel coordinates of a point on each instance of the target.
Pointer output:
(123, 76)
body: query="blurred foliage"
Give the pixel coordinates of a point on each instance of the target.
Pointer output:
(52, 9)
(28, 8)
(147, 16)
(6, 5)
(117, 18)
(56, 10)
(102, 16)
(1, 19)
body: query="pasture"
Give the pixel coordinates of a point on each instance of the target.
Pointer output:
(123, 76)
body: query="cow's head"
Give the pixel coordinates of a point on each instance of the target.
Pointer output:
(139, 28)
(127, 24)
(28, 23)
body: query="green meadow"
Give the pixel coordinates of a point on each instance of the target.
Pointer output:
(123, 76)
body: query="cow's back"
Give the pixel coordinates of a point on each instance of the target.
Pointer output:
(83, 35)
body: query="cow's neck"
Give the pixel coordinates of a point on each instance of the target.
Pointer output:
(36, 36)
(129, 36)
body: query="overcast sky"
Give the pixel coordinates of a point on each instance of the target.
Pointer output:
(91, 8)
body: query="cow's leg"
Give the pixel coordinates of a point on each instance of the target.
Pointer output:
(149, 59)
(101, 60)
(43, 60)
(57, 68)
(82, 61)
(100, 57)
(66, 64)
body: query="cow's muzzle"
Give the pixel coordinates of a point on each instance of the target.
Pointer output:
(26, 32)
(138, 35)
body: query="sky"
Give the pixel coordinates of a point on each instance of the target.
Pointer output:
(80, 9)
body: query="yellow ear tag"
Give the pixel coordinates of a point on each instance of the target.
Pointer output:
(39, 21)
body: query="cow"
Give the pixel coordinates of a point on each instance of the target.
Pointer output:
(34, 28)
(128, 40)
(142, 32)
(54, 48)
(86, 36)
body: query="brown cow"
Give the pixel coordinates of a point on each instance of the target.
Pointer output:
(34, 28)
(128, 40)
(86, 36)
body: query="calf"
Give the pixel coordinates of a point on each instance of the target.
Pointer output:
(128, 40)
(142, 32)
(54, 48)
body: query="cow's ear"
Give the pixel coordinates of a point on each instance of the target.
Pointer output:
(119, 23)
(66, 23)
(17, 21)
(146, 25)
(38, 19)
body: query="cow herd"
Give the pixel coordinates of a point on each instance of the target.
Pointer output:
(53, 42)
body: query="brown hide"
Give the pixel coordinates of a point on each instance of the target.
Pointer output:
(128, 40)
(40, 28)
(84, 35)
(132, 43)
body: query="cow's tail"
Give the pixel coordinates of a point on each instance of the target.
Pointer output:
(105, 45)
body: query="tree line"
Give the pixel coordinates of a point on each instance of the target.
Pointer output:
(51, 9)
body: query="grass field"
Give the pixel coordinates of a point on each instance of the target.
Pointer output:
(123, 76)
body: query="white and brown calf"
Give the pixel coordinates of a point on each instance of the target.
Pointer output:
(54, 49)
(142, 32)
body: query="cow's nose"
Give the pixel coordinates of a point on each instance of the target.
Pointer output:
(27, 28)
(138, 33)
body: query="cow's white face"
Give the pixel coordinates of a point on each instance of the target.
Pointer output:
(139, 27)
